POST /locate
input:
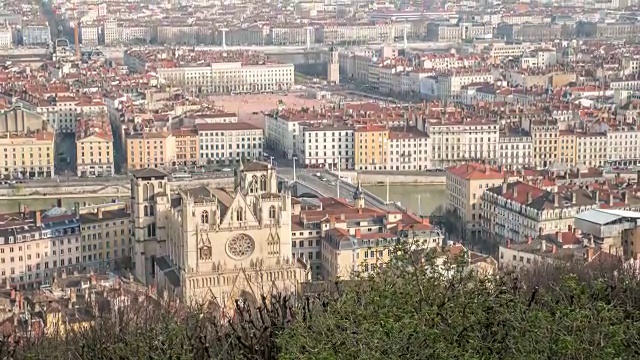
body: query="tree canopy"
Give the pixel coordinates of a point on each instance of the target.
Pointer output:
(550, 312)
(407, 310)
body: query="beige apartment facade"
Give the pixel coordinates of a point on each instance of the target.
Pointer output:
(94, 148)
(465, 186)
(37, 245)
(106, 240)
(150, 150)
(27, 155)
(187, 145)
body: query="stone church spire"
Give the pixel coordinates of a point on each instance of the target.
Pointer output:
(358, 195)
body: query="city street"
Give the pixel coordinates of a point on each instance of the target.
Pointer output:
(65, 155)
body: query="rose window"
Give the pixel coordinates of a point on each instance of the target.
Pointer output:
(240, 246)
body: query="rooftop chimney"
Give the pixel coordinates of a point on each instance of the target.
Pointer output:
(515, 190)
(558, 236)
(556, 199)
(38, 218)
(358, 233)
(591, 252)
(610, 198)
(573, 197)
(508, 243)
(543, 245)
(486, 169)
(99, 213)
(554, 249)
(595, 195)
(504, 187)
(529, 197)
(625, 197)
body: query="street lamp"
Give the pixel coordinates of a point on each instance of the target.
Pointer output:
(338, 181)
(294, 168)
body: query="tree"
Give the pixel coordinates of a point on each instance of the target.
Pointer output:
(417, 313)
(445, 219)
(18, 189)
(420, 305)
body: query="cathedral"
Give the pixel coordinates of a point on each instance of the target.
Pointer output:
(211, 244)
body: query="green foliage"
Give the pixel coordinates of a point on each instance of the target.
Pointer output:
(417, 307)
(419, 315)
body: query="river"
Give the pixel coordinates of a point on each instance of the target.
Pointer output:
(430, 196)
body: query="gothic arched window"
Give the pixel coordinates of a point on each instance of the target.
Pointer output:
(204, 218)
(239, 214)
(145, 192)
(263, 183)
(146, 210)
(254, 184)
(152, 192)
(272, 212)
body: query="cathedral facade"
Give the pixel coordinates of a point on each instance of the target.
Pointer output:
(210, 244)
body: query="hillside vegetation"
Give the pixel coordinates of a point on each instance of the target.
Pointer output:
(404, 312)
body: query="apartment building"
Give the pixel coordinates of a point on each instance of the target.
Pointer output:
(517, 211)
(90, 34)
(327, 146)
(187, 147)
(6, 37)
(232, 77)
(192, 34)
(370, 147)
(465, 187)
(447, 32)
(283, 129)
(454, 141)
(291, 35)
(361, 33)
(94, 147)
(567, 146)
(64, 110)
(209, 71)
(36, 245)
(135, 34)
(228, 143)
(500, 51)
(111, 32)
(408, 150)
(106, 238)
(625, 141)
(34, 35)
(27, 155)
(515, 149)
(254, 34)
(358, 240)
(449, 85)
(591, 149)
(544, 135)
(150, 149)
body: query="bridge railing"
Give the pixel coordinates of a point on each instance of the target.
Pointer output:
(350, 186)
